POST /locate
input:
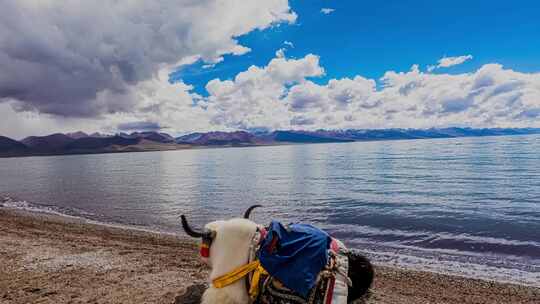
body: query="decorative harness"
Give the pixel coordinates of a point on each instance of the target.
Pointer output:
(253, 267)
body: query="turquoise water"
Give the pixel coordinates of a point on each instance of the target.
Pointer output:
(468, 206)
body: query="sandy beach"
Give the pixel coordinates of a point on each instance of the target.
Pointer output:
(52, 259)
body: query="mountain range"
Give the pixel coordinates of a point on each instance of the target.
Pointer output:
(80, 142)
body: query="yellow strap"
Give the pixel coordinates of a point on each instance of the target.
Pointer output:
(235, 275)
(239, 273)
(254, 288)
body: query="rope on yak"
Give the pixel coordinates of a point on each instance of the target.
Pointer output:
(240, 272)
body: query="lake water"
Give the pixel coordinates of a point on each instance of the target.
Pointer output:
(467, 206)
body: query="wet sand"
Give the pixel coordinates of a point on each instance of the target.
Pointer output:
(51, 259)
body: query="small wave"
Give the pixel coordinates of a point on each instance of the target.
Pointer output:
(90, 218)
(427, 235)
(529, 277)
(8, 202)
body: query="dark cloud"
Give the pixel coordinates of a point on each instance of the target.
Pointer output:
(530, 113)
(344, 97)
(82, 58)
(303, 99)
(456, 105)
(409, 87)
(139, 126)
(510, 86)
(58, 64)
(302, 121)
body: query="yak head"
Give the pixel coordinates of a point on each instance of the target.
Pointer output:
(224, 244)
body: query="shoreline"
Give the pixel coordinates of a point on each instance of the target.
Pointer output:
(379, 255)
(54, 259)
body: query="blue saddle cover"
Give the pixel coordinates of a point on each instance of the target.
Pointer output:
(294, 254)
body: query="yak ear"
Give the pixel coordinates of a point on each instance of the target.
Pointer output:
(248, 211)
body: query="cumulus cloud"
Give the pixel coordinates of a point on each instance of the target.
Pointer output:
(288, 94)
(327, 10)
(254, 99)
(83, 58)
(174, 106)
(281, 95)
(446, 62)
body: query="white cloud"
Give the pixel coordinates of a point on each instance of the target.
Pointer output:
(492, 96)
(446, 62)
(327, 10)
(280, 53)
(288, 43)
(451, 61)
(281, 95)
(255, 97)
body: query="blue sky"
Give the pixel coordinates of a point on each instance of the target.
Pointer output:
(369, 38)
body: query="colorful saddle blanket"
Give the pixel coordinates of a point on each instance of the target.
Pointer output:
(331, 286)
(295, 255)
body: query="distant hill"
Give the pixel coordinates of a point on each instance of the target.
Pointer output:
(189, 138)
(153, 136)
(77, 135)
(307, 137)
(91, 144)
(219, 139)
(9, 147)
(402, 134)
(48, 144)
(239, 138)
(80, 142)
(96, 134)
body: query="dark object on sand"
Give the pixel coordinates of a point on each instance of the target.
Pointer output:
(192, 295)
(361, 273)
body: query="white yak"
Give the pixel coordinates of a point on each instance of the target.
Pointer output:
(226, 245)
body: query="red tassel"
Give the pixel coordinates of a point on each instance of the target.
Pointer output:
(205, 251)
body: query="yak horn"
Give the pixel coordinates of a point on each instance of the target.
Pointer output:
(188, 229)
(248, 211)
